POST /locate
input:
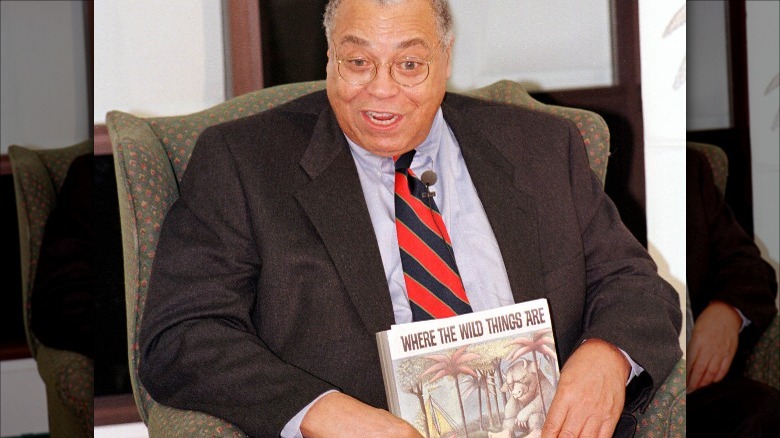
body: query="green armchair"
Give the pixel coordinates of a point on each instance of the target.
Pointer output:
(150, 157)
(68, 376)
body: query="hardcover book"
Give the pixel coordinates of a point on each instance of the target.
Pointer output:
(483, 374)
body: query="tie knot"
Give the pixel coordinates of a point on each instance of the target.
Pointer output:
(403, 162)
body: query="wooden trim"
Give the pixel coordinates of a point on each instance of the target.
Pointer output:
(19, 350)
(88, 11)
(245, 57)
(115, 409)
(5, 165)
(626, 61)
(739, 192)
(738, 66)
(102, 140)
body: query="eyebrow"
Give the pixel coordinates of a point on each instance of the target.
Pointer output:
(352, 39)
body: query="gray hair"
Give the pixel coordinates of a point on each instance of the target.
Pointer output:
(441, 9)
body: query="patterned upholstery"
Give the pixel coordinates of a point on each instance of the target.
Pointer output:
(763, 363)
(151, 155)
(718, 161)
(68, 377)
(665, 417)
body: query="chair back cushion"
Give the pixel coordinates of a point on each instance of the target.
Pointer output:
(719, 162)
(151, 155)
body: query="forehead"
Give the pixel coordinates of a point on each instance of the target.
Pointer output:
(370, 24)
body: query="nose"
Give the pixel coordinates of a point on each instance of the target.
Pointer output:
(383, 86)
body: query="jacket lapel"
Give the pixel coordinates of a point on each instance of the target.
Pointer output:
(334, 202)
(510, 210)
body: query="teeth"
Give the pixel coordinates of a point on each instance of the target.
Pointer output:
(382, 118)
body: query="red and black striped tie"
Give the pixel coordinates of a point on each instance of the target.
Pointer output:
(432, 279)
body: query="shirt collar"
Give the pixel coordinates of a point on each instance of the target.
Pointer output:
(426, 154)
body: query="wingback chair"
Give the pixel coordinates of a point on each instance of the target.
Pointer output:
(763, 363)
(152, 154)
(38, 175)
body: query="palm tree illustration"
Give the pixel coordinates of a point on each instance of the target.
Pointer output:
(541, 343)
(409, 373)
(477, 383)
(453, 366)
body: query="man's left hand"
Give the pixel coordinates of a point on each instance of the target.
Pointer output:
(591, 392)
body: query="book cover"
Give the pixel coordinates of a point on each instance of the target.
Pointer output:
(484, 374)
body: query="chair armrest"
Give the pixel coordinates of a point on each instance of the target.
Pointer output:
(763, 364)
(71, 376)
(665, 416)
(167, 422)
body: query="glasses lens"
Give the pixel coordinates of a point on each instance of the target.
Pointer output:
(357, 71)
(410, 71)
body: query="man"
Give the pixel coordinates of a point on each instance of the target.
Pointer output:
(281, 259)
(732, 293)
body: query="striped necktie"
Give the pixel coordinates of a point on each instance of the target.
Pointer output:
(432, 279)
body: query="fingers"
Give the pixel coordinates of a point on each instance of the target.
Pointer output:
(591, 392)
(608, 427)
(553, 424)
(708, 362)
(572, 426)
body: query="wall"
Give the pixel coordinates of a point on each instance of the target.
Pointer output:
(43, 78)
(763, 38)
(664, 108)
(138, 74)
(22, 398)
(501, 39)
(708, 93)
(158, 58)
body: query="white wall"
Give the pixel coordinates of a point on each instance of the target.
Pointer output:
(138, 73)
(22, 398)
(763, 39)
(544, 45)
(664, 107)
(158, 58)
(43, 80)
(708, 93)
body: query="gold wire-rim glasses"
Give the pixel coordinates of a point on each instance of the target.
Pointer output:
(375, 67)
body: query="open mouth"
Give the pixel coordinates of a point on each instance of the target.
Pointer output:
(382, 119)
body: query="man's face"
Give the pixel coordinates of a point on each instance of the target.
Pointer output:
(383, 116)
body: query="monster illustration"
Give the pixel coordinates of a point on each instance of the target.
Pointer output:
(530, 394)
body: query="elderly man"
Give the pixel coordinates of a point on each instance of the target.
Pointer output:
(287, 250)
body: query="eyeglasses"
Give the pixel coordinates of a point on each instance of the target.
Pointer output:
(407, 71)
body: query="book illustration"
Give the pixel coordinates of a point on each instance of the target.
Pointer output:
(501, 386)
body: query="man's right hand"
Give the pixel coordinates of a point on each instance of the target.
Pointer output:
(339, 415)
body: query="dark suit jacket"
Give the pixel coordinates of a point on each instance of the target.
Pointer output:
(268, 286)
(723, 262)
